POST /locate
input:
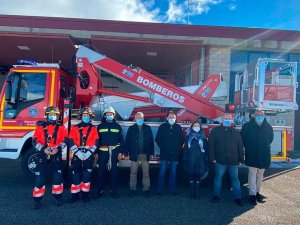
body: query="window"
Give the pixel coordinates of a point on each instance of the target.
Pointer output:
(22, 91)
(36, 86)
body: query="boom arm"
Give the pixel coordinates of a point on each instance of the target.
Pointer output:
(89, 61)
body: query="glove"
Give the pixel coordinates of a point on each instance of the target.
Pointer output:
(80, 155)
(87, 155)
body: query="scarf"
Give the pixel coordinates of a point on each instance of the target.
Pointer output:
(198, 136)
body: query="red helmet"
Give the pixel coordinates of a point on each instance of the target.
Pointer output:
(86, 110)
(52, 109)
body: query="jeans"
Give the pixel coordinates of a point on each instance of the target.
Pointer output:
(220, 169)
(162, 173)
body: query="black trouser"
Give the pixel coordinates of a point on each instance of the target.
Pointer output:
(55, 162)
(194, 177)
(81, 172)
(102, 161)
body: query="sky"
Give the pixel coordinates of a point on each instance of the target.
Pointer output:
(274, 14)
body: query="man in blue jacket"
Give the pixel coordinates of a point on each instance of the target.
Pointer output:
(139, 145)
(170, 140)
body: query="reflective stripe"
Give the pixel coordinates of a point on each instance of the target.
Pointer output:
(103, 130)
(105, 148)
(114, 130)
(75, 188)
(63, 145)
(38, 147)
(38, 192)
(85, 187)
(74, 148)
(57, 189)
(93, 148)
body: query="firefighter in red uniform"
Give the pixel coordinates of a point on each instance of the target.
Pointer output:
(111, 144)
(49, 139)
(83, 141)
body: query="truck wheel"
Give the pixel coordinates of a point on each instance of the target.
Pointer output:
(27, 166)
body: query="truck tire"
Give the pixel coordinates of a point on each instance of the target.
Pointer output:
(26, 159)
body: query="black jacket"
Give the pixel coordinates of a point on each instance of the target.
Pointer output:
(226, 146)
(111, 134)
(257, 142)
(132, 141)
(195, 159)
(170, 140)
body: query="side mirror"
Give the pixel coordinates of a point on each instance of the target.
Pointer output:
(8, 92)
(72, 93)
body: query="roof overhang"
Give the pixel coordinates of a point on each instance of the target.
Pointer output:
(48, 48)
(153, 55)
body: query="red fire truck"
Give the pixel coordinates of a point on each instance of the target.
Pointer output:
(30, 88)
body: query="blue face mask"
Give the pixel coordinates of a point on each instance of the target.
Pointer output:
(259, 119)
(109, 118)
(52, 117)
(86, 119)
(171, 121)
(227, 123)
(139, 122)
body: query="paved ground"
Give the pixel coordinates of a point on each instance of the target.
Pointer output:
(282, 187)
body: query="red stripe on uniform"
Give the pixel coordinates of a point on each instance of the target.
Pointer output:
(75, 188)
(38, 192)
(85, 187)
(57, 189)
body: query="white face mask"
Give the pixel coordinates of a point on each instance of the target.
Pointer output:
(196, 129)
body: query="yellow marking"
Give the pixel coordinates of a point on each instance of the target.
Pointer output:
(17, 128)
(52, 87)
(284, 143)
(2, 111)
(103, 130)
(114, 130)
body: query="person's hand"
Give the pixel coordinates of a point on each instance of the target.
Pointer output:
(96, 156)
(214, 161)
(47, 151)
(151, 156)
(87, 155)
(54, 151)
(119, 156)
(80, 155)
(240, 164)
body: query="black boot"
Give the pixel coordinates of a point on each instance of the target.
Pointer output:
(74, 198)
(37, 204)
(192, 189)
(85, 197)
(197, 183)
(59, 201)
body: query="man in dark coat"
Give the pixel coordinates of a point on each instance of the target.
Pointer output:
(226, 152)
(139, 145)
(170, 140)
(257, 137)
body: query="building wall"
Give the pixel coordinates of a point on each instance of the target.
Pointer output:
(219, 63)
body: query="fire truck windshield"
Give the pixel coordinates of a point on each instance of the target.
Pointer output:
(22, 91)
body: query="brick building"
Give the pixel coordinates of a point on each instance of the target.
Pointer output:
(181, 54)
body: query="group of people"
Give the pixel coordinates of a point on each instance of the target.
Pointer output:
(226, 148)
